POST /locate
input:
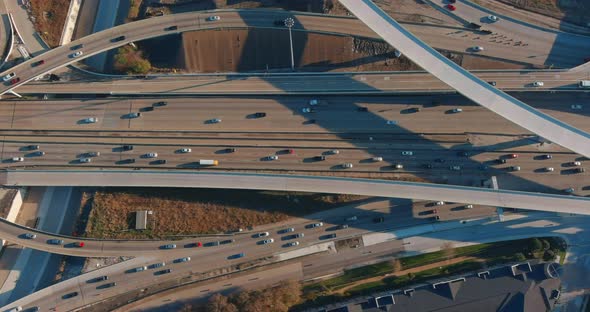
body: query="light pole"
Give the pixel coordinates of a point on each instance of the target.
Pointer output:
(289, 22)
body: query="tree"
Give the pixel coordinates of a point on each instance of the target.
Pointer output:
(535, 245)
(411, 276)
(519, 256)
(549, 255)
(131, 61)
(220, 303)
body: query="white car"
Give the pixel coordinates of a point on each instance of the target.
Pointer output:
(549, 169)
(468, 206)
(151, 155)
(457, 110)
(538, 84)
(334, 152)
(134, 115)
(8, 77)
(569, 190)
(292, 244)
(268, 241)
(313, 102)
(30, 236)
(407, 153)
(315, 225)
(185, 150)
(576, 106)
(399, 166)
(272, 157)
(493, 18)
(262, 234)
(76, 54)
(440, 203)
(85, 160)
(391, 122)
(377, 159)
(214, 120)
(90, 120)
(347, 165)
(307, 110)
(214, 18)
(455, 168)
(576, 163)
(185, 259)
(477, 48)
(17, 159)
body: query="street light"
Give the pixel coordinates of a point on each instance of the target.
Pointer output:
(289, 23)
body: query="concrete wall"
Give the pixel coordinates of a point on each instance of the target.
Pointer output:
(15, 206)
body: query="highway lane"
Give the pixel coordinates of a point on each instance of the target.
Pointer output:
(327, 83)
(467, 84)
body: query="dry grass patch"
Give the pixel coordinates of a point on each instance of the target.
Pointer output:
(197, 211)
(49, 17)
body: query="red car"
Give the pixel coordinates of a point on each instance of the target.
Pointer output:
(79, 244)
(15, 80)
(513, 155)
(451, 7)
(41, 62)
(199, 244)
(290, 151)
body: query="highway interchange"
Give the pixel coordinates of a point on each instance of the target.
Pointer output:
(337, 124)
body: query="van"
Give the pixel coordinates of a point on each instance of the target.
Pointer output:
(584, 84)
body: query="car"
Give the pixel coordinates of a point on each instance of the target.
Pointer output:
(213, 18)
(352, 218)
(18, 159)
(576, 106)
(398, 166)
(546, 156)
(333, 235)
(501, 160)
(407, 153)
(347, 165)
(377, 159)
(451, 7)
(38, 63)
(173, 27)
(32, 147)
(160, 104)
(268, 241)
(455, 168)
(85, 160)
(99, 279)
(512, 156)
(8, 77)
(262, 234)
(150, 155)
(300, 235)
(343, 226)
(76, 54)
(133, 115)
(492, 83)
(158, 265)
(18, 309)
(569, 190)
(412, 110)
(549, 169)
(468, 206)
(160, 162)
(456, 110)
(227, 241)
(198, 244)
(308, 110)
(79, 244)
(313, 102)
(180, 260)
(259, 114)
(92, 154)
(334, 152)
(237, 256)
(439, 160)
(579, 170)
(70, 295)
(538, 84)
(391, 122)
(127, 148)
(185, 150)
(230, 150)
(515, 168)
(292, 244)
(320, 158)
(212, 244)
(575, 163)
(107, 285)
(117, 39)
(287, 230)
(139, 269)
(483, 167)
(289, 151)
(378, 219)
(30, 236)
(158, 13)
(439, 203)
(493, 18)
(77, 47)
(15, 80)
(90, 120)
(161, 272)
(214, 121)
(55, 241)
(315, 225)
(463, 154)
(362, 109)
(477, 48)
(428, 166)
(168, 246)
(437, 218)
(272, 157)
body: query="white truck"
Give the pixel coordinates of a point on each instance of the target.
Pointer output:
(584, 84)
(208, 162)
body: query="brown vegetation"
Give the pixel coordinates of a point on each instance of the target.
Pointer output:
(131, 61)
(49, 17)
(275, 299)
(192, 211)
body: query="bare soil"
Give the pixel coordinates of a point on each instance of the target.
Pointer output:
(49, 17)
(196, 211)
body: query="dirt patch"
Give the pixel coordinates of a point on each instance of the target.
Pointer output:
(197, 211)
(49, 17)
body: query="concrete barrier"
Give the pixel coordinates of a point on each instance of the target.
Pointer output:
(70, 24)
(15, 205)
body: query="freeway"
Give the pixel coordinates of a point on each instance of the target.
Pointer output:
(322, 184)
(467, 84)
(304, 83)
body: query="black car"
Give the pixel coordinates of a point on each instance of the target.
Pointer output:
(260, 115)
(166, 271)
(230, 150)
(492, 83)
(579, 170)
(159, 104)
(320, 158)
(501, 160)
(127, 161)
(70, 295)
(172, 28)
(546, 156)
(127, 147)
(33, 147)
(439, 160)
(378, 219)
(117, 39)
(108, 285)
(77, 47)
(362, 109)
(147, 109)
(160, 162)
(227, 241)
(98, 279)
(428, 166)
(463, 154)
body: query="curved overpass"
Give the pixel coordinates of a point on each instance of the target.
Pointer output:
(466, 83)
